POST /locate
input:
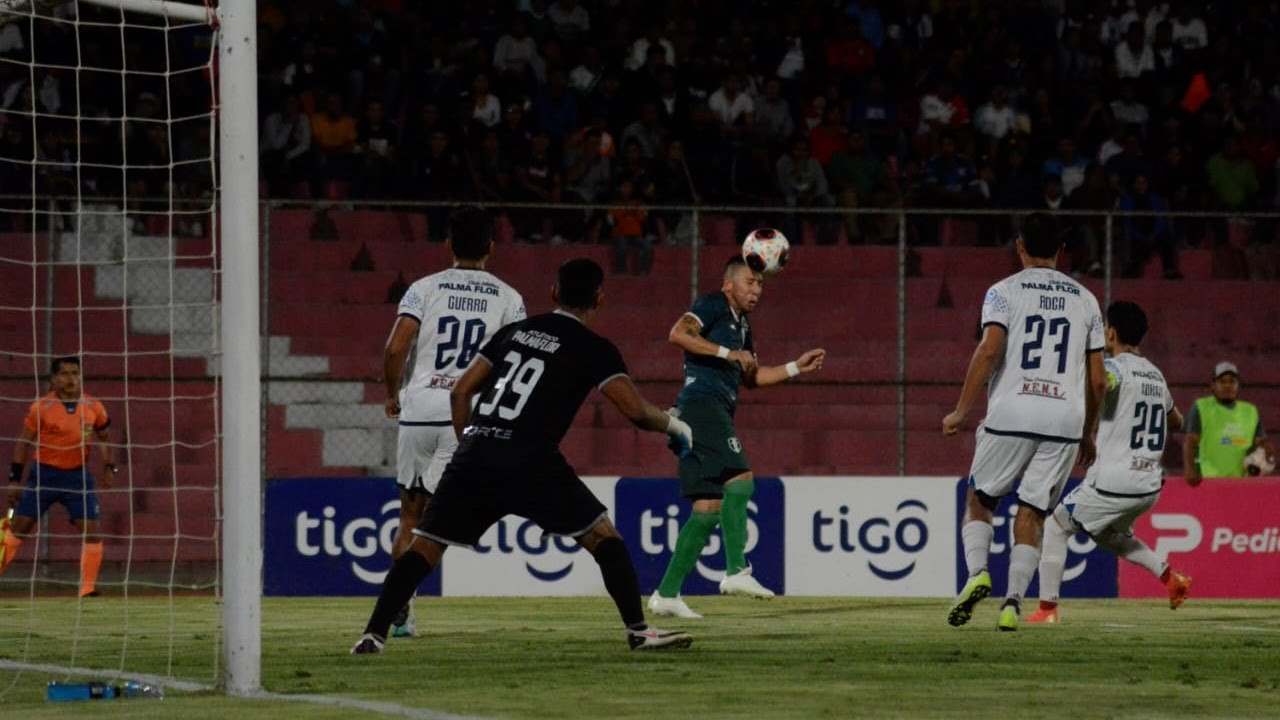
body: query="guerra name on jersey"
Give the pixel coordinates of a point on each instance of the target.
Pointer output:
(1037, 388)
(459, 309)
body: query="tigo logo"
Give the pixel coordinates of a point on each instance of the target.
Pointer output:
(907, 533)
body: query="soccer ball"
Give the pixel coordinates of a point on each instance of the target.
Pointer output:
(1257, 462)
(766, 250)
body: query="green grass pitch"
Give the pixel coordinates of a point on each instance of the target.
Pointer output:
(566, 657)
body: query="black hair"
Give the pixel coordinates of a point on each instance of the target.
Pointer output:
(733, 263)
(1041, 236)
(56, 364)
(470, 232)
(1128, 320)
(578, 281)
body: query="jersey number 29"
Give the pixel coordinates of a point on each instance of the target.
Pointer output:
(1148, 427)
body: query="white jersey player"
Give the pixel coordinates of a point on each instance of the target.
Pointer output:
(1041, 350)
(1137, 415)
(441, 324)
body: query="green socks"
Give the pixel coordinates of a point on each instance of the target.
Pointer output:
(733, 524)
(689, 543)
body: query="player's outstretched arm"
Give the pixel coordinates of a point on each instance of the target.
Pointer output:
(764, 376)
(644, 414)
(984, 359)
(394, 356)
(466, 388)
(686, 334)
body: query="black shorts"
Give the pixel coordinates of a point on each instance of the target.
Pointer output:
(473, 496)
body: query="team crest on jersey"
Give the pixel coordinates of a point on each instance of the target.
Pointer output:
(734, 445)
(411, 301)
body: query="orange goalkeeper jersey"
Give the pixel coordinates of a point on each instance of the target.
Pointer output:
(63, 429)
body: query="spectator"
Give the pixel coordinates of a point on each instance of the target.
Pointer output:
(733, 108)
(333, 135)
(1147, 14)
(569, 20)
(1067, 165)
(1189, 32)
(1181, 183)
(584, 77)
(516, 58)
(1146, 234)
(860, 180)
(803, 185)
(588, 169)
(877, 114)
(486, 109)
(537, 180)
(646, 132)
(1051, 197)
(1114, 144)
(286, 146)
(1233, 182)
(634, 166)
(774, 125)
(995, 119)
(1016, 185)
(627, 230)
(1127, 110)
(1221, 430)
(514, 132)
(950, 179)
(439, 175)
(752, 184)
(827, 138)
(492, 171)
(1131, 162)
(673, 105)
(1085, 243)
(556, 110)
(942, 108)
(376, 149)
(870, 23)
(1168, 56)
(673, 185)
(848, 54)
(1134, 56)
(652, 38)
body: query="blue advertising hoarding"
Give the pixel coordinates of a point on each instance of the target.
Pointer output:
(1091, 572)
(650, 513)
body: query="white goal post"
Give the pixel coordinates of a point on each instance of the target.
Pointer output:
(237, 193)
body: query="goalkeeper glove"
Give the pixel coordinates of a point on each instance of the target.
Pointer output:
(681, 436)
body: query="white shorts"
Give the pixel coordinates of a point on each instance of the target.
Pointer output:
(422, 452)
(1043, 465)
(1087, 510)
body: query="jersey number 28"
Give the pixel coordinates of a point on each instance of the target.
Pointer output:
(464, 338)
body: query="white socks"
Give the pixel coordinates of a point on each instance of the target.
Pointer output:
(1053, 559)
(1022, 567)
(976, 536)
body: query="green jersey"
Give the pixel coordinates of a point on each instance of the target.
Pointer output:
(713, 377)
(1227, 434)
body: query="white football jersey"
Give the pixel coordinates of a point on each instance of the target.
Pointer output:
(1038, 389)
(459, 309)
(1133, 427)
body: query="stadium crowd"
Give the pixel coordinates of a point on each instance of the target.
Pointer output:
(1010, 104)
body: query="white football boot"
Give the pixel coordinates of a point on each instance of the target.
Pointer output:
(741, 583)
(670, 607)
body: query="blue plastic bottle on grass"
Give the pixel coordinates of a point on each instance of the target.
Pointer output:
(56, 691)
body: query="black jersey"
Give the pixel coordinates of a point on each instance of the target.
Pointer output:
(543, 368)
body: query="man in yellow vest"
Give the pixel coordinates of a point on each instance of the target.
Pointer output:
(1222, 430)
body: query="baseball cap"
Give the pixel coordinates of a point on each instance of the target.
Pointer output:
(1223, 368)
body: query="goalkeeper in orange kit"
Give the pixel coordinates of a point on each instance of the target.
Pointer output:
(59, 426)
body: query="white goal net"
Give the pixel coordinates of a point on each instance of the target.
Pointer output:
(110, 254)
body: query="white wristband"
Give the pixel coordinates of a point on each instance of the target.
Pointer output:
(722, 353)
(793, 369)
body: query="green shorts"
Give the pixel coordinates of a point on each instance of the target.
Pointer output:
(717, 453)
